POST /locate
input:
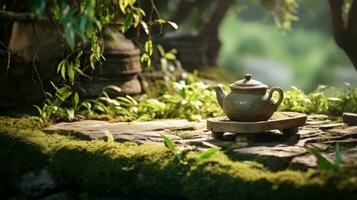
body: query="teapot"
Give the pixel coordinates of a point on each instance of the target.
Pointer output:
(248, 100)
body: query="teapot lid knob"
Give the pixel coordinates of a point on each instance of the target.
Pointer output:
(248, 77)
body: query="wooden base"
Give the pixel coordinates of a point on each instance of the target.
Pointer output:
(287, 122)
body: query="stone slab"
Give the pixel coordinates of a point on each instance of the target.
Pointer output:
(140, 132)
(276, 150)
(350, 119)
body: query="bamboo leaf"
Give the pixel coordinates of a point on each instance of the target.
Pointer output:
(169, 143)
(322, 162)
(207, 154)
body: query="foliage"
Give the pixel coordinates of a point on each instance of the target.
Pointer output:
(189, 99)
(320, 102)
(304, 56)
(181, 154)
(283, 11)
(82, 23)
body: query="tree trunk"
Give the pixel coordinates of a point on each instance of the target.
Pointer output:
(345, 29)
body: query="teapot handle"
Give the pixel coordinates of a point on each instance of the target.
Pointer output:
(281, 94)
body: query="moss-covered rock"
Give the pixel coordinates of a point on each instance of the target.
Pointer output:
(150, 170)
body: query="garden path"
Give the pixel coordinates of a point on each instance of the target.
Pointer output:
(276, 150)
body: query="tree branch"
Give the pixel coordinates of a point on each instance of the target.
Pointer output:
(13, 16)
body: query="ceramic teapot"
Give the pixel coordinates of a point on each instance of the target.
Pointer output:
(248, 100)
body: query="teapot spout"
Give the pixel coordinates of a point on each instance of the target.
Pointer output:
(220, 95)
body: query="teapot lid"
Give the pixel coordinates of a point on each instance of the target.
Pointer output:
(248, 84)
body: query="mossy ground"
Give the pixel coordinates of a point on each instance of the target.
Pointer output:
(151, 170)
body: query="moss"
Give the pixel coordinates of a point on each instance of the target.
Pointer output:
(100, 167)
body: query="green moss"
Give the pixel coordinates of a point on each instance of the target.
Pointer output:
(100, 167)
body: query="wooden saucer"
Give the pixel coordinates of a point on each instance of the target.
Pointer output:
(287, 122)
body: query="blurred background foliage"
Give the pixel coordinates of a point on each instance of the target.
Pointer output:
(303, 53)
(304, 56)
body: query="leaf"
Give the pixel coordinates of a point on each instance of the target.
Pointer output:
(169, 143)
(148, 47)
(69, 34)
(112, 87)
(76, 100)
(322, 162)
(207, 154)
(145, 27)
(70, 114)
(63, 72)
(127, 22)
(70, 73)
(123, 4)
(39, 110)
(338, 158)
(160, 21)
(173, 24)
(37, 7)
(161, 50)
(170, 56)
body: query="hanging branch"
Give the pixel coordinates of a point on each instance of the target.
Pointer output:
(13, 16)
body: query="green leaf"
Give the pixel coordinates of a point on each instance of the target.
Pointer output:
(123, 4)
(170, 56)
(161, 50)
(322, 162)
(38, 7)
(63, 72)
(70, 73)
(70, 114)
(76, 99)
(148, 47)
(127, 22)
(207, 154)
(69, 34)
(160, 21)
(169, 143)
(338, 157)
(39, 110)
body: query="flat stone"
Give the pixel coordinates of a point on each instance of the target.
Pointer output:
(330, 126)
(140, 132)
(350, 130)
(303, 162)
(318, 122)
(349, 157)
(275, 158)
(277, 151)
(317, 117)
(350, 119)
